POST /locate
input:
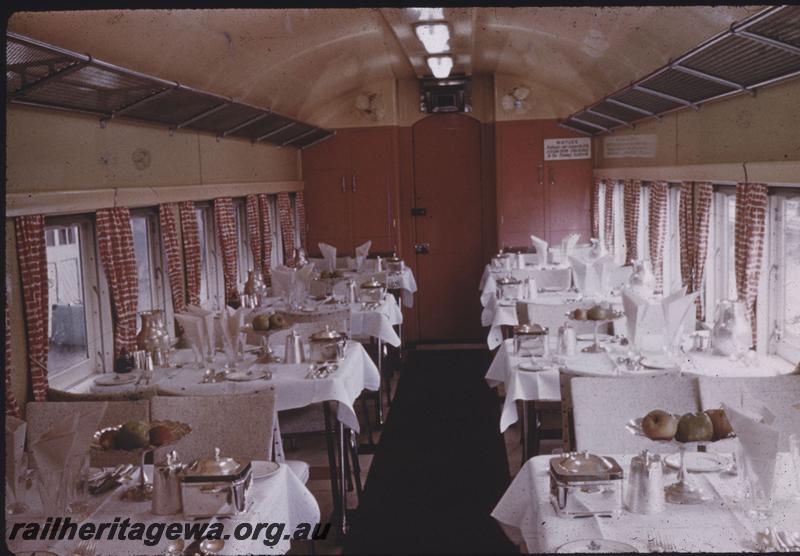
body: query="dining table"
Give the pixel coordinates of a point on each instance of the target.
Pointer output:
(403, 280)
(722, 524)
(543, 383)
(276, 497)
(295, 387)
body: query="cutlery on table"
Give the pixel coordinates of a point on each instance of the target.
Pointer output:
(85, 548)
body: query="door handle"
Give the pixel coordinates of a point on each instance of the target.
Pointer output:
(422, 248)
(552, 176)
(354, 183)
(344, 184)
(541, 174)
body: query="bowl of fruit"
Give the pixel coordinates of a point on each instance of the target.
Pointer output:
(688, 430)
(139, 437)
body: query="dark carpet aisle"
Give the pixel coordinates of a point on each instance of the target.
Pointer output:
(441, 464)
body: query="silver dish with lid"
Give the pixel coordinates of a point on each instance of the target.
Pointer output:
(327, 345)
(372, 291)
(395, 264)
(531, 338)
(584, 485)
(215, 486)
(508, 288)
(502, 261)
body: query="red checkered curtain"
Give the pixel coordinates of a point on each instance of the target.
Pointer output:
(631, 197)
(169, 236)
(658, 230)
(608, 227)
(703, 196)
(225, 221)
(686, 226)
(300, 202)
(751, 212)
(32, 255)
(12, 408)
(254, 228)
(286, 220)
(191, 251)
(596, 208)
(266, 237)
(694, 214)
(115, 245)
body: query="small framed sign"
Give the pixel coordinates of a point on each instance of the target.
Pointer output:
(572, 148)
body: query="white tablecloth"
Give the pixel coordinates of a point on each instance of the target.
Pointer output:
(719, 525)
(549, 276)
(292, 390)
(544, 385)
(405, 281)
(378, 323)
(280, 498)
(497, 313)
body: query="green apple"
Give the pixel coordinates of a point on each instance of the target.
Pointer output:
(659, 425)
(596, 313)
(132, 435)
(261, 322)
(694, 427)
(276, 321)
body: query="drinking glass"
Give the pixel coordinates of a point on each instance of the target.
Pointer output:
(54, 500)
(759, 480)
(17, 488)
(794, 452)
(77, 486)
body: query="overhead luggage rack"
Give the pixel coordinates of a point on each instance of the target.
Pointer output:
(756, 52)
(42, 75)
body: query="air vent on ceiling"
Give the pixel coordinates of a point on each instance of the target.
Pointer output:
(453, 94)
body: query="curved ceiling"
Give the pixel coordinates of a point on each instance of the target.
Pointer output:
(295, 60)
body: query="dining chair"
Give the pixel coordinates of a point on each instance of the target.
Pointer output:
(41, 416)
(603, 406)
(239, 425)
(780, 394)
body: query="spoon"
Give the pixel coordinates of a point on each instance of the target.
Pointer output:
(211, 546)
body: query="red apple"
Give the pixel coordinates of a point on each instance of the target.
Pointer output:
(719, 421)
(659, 425)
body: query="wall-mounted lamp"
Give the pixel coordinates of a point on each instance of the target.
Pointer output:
(515, 100)
(434, 36)
(371, 104)
(440, 65)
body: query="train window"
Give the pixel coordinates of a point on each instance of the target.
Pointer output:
(153, 293)
(791, 268)
(211, 279)
(244, 254)
(643, 236)
(75, 339)
(275, 230)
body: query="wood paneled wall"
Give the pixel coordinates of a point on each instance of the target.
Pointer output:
(550, 199)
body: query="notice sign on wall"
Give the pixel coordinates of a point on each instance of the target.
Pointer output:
(567, 149)
(630, 146)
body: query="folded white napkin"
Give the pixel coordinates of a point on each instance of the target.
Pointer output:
(678, 313)
(591, 276)
(208, 327)
(232, 322)
(759, 441)
(634, 307)
(541, 249)
(63, 446)
(362, 251)
(15, 446)
(194, 329)
(328, 255)
(568, 245)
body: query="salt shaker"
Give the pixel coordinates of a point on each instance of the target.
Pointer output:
(645, 488)
(167, 486)
(567, 340)
(521, 260)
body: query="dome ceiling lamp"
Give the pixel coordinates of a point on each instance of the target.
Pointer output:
(515, 99)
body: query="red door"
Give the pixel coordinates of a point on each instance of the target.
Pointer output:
(328, 209)
(447, 185)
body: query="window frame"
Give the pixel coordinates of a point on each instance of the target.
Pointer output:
(789, 346)
(160, 290)
(244, 258)
(215, 280)
(97, 306)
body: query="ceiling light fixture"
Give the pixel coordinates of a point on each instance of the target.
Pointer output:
(434, 36)
(429, 14)
(440, 65)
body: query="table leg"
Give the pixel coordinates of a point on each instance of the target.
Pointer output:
(524, 431)
(342, 477)
(379, 402)
(330, 441)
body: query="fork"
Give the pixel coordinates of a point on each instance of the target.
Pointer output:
(85, 548)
